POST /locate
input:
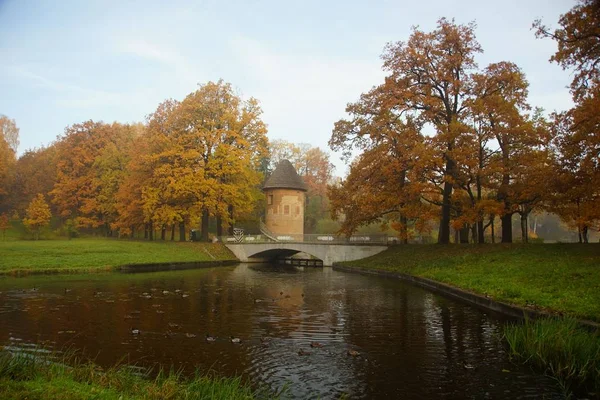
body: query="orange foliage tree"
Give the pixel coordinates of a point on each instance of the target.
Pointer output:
(577, 143)
(35, 172)
(384, 183)
(439, 133)
(89, 169)
(9, 141)
(37, 215)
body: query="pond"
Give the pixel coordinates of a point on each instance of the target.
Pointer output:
(372, 337)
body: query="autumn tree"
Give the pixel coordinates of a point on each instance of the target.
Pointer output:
(577, 130)
(575, 194)
(578, 40)
(171, 166)
(458, 137)
(280, 149)
(35, 172)
(430, 78)
(204, 158)
(428, 84)
(9, 141)
(505, 136)
(87, 167)
(10, 132)
(109, 171)
(129, 200)
(383, 185)
(4, 224)
(230, 138)
(37, 215)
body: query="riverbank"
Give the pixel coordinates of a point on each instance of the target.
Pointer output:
(96, 255)
(561, 280)
(26, 377)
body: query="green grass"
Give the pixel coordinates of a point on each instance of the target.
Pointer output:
(560, 348)
(560, 278)
(26, 377)
(92, 255)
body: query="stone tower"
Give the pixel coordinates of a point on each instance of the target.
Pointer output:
(285, 191)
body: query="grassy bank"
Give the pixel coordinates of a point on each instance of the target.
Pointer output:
(560, 278)
(560, 348)
(92, 255)
(25, 377)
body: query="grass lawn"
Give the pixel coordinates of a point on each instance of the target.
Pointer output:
(561, 278)
(88, 255)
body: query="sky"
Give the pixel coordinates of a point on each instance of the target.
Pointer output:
(65, 62)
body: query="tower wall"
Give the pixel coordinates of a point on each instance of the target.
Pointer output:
(285, 211)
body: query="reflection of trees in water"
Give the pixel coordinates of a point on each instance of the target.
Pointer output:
(410, 341)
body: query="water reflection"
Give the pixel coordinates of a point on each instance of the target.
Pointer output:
(410, 343)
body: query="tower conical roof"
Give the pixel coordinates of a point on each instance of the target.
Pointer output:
(285, 177)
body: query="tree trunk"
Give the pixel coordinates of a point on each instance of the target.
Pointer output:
(506, 228)
(182, 231)
(230, 229)
(219, 226)
(146, 231)
(492, 229)
(150, 231)
(444, 233)
(480, 232)
(456, 237)
(506, 219)
(579, 234)
(584, 234)
(163, 232)
(464, 234)
(404, 222)
(204, 226)
(172, 232)
(524, 233)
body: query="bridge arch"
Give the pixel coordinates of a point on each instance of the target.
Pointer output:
(328, 253)
(273, 254)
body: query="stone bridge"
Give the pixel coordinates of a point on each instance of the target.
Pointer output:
(328, 248)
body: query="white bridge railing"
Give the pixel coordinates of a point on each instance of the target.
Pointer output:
(378, 239)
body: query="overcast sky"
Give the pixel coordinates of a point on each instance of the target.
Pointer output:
(64, 62)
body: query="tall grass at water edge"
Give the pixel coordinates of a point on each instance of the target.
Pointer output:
(24, 376)
(562, 349)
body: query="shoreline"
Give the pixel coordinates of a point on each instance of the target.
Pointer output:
(474, 299)
(125, 268)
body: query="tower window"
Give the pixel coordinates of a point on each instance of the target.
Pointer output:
(286, 210)
(270, 199)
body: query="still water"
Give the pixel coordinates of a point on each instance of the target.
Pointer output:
(373, 337)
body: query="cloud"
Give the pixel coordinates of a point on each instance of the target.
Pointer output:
(74, 96)
(164, 56)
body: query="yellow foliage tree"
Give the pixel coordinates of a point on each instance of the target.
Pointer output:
(38, 215)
